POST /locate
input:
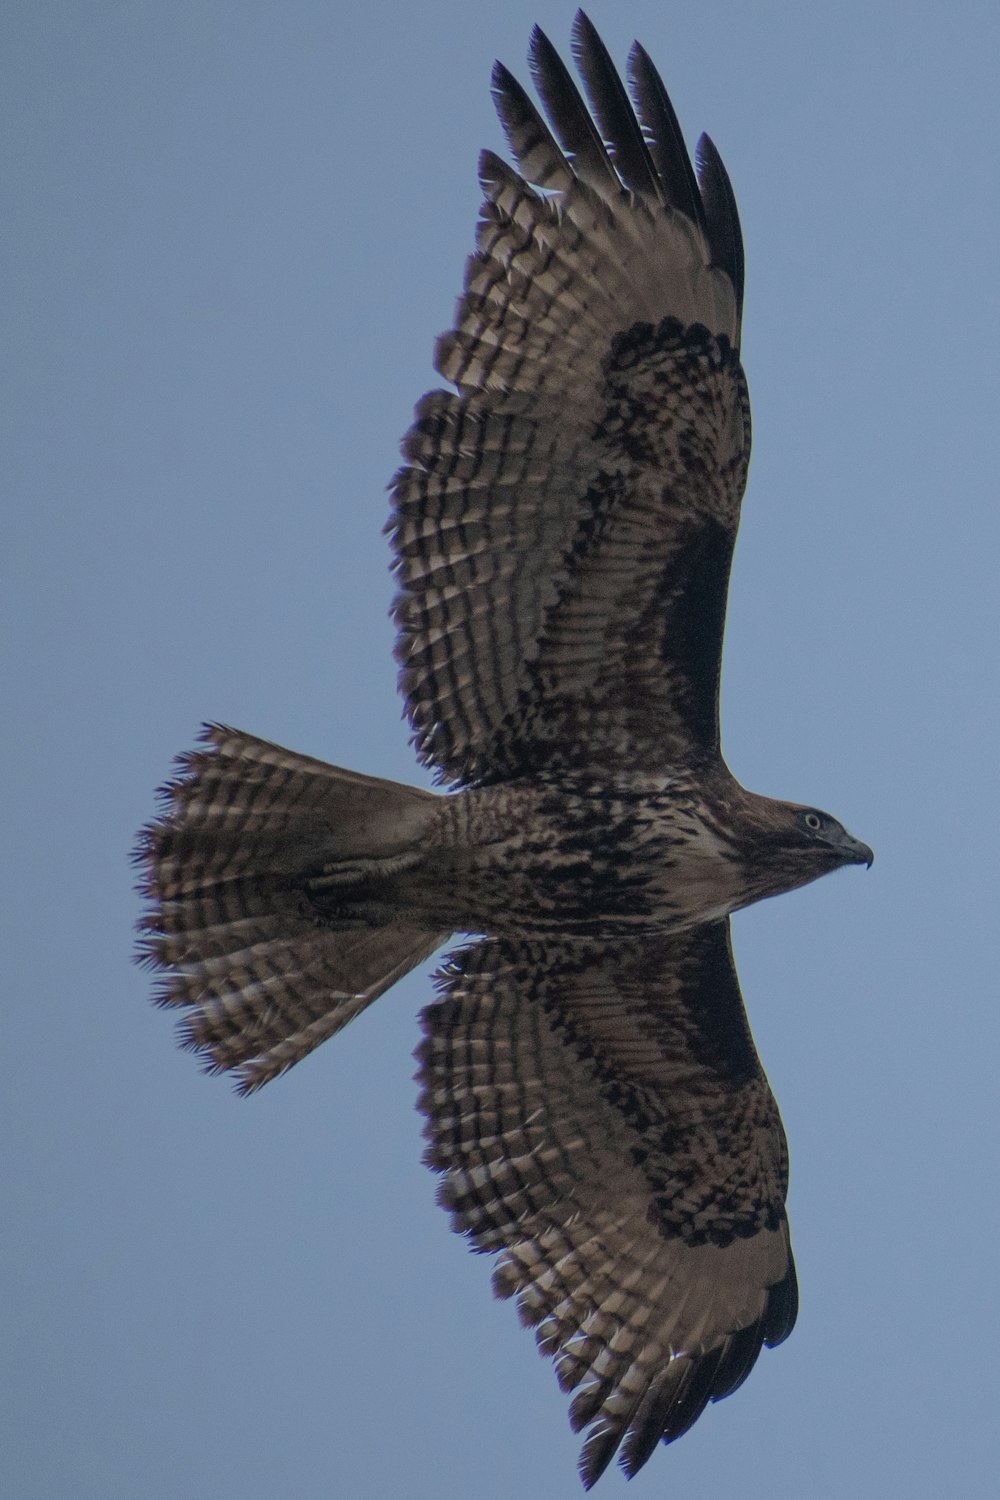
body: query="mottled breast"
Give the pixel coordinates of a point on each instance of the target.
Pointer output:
(579, 859)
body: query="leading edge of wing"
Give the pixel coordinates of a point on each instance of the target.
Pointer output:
(529, 499)
(602, 1125)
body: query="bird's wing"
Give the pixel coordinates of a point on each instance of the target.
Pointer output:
(602, 1123)
(564, 523)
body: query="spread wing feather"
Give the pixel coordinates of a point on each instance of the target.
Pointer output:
(666, 141)
(556, 514)
(613, 112)
(570, 117)
(722, 220)
(602, 1124)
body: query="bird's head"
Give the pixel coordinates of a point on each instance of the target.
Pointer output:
(787, 844)
(818, 836)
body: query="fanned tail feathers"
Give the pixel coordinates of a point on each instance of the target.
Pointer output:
(253, 875)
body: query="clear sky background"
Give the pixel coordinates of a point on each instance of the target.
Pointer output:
(233, 231)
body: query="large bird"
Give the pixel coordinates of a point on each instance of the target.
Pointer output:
(563, 527)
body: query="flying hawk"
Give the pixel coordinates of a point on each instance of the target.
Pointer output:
(562, 527)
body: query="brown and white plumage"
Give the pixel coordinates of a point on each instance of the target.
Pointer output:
(563, 529)
(617, 1143)
(564, 525)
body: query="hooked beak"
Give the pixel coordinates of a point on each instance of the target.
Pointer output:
(854, 851)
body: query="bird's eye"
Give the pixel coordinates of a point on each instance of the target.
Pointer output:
(813, 821)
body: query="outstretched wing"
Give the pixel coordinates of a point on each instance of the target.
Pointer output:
(563, 526)
(602, 1122)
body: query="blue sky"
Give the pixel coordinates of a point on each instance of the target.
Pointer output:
(234, 231)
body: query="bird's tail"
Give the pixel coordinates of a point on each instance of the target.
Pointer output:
(263, 876)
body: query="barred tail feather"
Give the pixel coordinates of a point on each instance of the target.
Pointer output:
(262, 876)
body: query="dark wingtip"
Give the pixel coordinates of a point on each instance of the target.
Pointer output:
(541, 52)
(500, 77)
(596, 1454)
(722, 219)
(664, 137)
(782, 1308)
(612, 109)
